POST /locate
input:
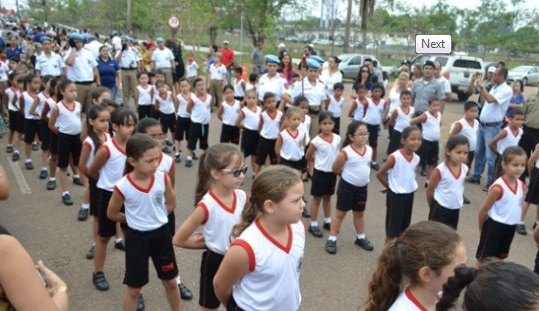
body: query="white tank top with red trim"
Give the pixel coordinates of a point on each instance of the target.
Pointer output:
(450, 189)
(292, 146)
(113, 169)
(89, 143)
(357, 167)
(251, 119)
(325, 152)
(508, 207)
(270, 127)
(68, 121)
(166, 105)
(406, 301)
(230, 112)
(166, 163)
(401, 177)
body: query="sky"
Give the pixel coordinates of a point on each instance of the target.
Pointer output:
(470, 4)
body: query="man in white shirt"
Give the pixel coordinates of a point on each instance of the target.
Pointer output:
(163, 60)
(92, 44)
(48, 63)
(129, 61)
(116, 41)
(82, 69)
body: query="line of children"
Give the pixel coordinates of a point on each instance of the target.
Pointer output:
(16, 120)
(31, 106)
(227, 113)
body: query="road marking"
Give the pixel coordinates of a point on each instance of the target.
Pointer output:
(19, 177)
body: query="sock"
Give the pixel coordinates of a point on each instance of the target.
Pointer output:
(361, 236)
(189, 158)
(65, 192)
(374, 163)
(177, 154)
(314, 223)
(52, 178)
(16, 151)
(85, 206)
(9, 145)
(332, 238)
(76, 176)
(44, 168)
(178, 280)
(117, 240)
(327, 220)
(28, 161)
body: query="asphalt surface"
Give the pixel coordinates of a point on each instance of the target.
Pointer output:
(50, 231)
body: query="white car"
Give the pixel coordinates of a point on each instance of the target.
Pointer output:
(526, 74)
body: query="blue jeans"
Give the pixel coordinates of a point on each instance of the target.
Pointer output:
(485, 134)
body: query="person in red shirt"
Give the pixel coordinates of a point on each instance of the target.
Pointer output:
(227, 57)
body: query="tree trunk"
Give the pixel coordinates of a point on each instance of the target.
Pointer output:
(213, 34)
(348, 25)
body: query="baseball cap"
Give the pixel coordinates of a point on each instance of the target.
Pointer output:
(159, 40)
(272, 59)
(281, 45)
(491, 69)
(226, 42)
(312, 63)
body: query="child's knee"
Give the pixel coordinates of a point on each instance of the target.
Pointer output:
(170, 285)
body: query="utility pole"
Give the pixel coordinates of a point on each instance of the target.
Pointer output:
(129, 15)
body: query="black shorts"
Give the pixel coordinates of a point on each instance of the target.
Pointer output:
(53, 146)
(323, 183)
(93, 193)
(20, 122)
(249, 142)
(399, 212)
(107, 227)
(297, 165)
(171, 223)
(69, 146)
(182, 128)
(198, 133)
(145, 111)
(14, 122)
(44, 135)
(428, 152)
(495, 240)
(233, 306)
(350, 197)
(31, 128)
(208, 269)
(140, 246)
(230, 134)
(266, 147)
(394, 142)
(337, 126)
(444, 215)
(373, 135)
(532, 196)
(168, 122)
(471, 156)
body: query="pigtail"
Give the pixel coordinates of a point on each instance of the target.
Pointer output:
(384, 287)
(203, 179)
(248, 216)
(454, 285)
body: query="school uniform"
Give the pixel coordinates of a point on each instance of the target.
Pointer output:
(148, 235)
(292, 148)
(323, 179)
(352, 189)
(373, 118)
(448, 195)
(274, 269)
(400, 195)
(69, 128)
(335, 108)
(216, 228)
(110, 173)
(469, 130)
(268, 136)
(511, 139)
(53, 137)
(166, 166)
(183, 120)
(275, 85)
(230, 133)
(89, 144)
(44, 130)
(431, 135)
(532, 196)
(406, 301)
(200, 122)
(239, 94)
(192, 71)
(250, 136)
(145, 105)
(16, 117)
(499, 228)
(402, 121)
(305, 127)
(359, 112)
(167, 112)
(31, 122)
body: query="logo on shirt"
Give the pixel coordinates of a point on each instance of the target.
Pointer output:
(158, 197)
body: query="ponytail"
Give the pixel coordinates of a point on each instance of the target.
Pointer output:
(203, 179)
(384, 287)
(455, 284)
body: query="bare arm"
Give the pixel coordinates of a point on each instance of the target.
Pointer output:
(493, 195)
(381, 174)
(239, 119)
(184, 236)
(4, 185)
(84, 154)
(493, 144)
(114, 209)
(533, 158)
(71, 57)
(170, 197)
(338, 164)
(433, 183)
(52, 120)
(457, 127)
(220, 111)
(234, 266)
(278, 146)
(99, 160)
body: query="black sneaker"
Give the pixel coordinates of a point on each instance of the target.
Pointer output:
(90, 253)
(9, 149)
(188, 163)
(331, 247)
(77, 181)
(51, 184)
(43, 173)
(140, 303)
(15, 156)
(365, 244)
(66, 199)
(168, 142)
(119, 245)
(185, 293)
(178, 158)
(99, 280)
(473, 180)
(423, 171)
(521, 229)
(315, 230)
(485, 188)
(306, 213)
(327, 226)
(166, 149)
(83, 214)
(465, 200)
(35, 146)
(29, 165)
(194, 156)
(375, 166)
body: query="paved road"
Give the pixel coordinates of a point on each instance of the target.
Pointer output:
(50, 231)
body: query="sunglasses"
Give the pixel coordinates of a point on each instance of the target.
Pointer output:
(364, 71)
(235, 171)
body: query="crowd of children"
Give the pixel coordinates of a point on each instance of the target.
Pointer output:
(254, 240)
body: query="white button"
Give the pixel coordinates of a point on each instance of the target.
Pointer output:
(433, 44)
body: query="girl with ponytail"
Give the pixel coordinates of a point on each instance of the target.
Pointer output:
(264, 261)
(412, 268)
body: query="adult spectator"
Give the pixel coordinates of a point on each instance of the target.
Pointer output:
(257, 58)
(308, 51)
(282, 51)
(25, 286)
(2, 43)
(425, 89)
(417, 72)
(128, 61)
(530, 137)
(287, 70)
(364, 77)
(271, 81)
(48, 63)
(216, 80)
(179, 68)
(490, 121)
(92, 44)
(311, 87)
(518, 97)
(210, 58)
(14, 50)
(116, 41)
(227, 57)
(163, 59)
(109, 71)
(81, 69)
(446, 86)
(377, 72)
(331, 74)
